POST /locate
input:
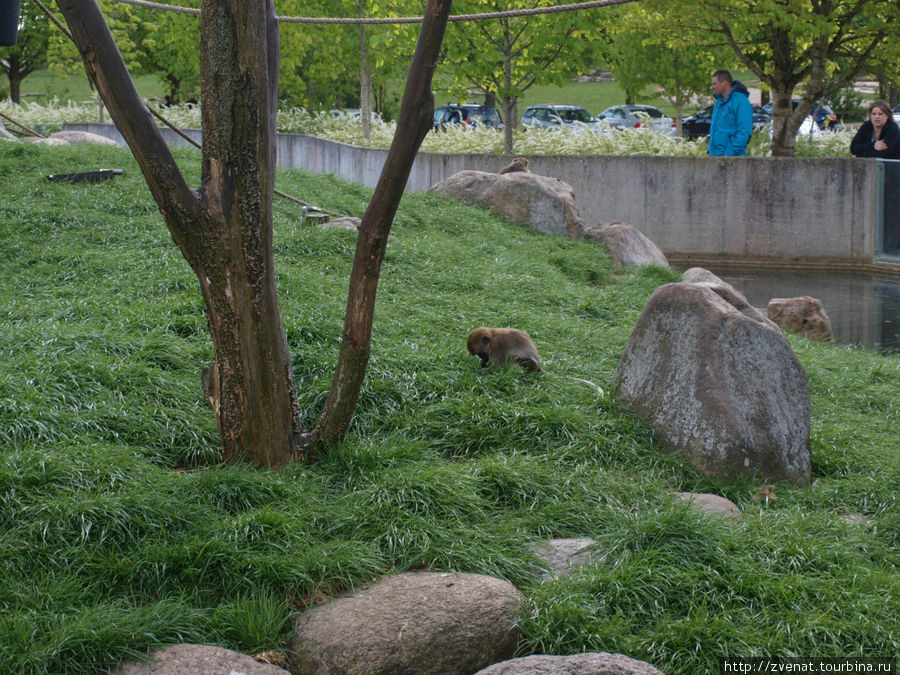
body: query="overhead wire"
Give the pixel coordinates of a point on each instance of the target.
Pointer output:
(556, 9)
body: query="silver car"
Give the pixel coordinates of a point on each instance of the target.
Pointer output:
(558, 116)
(632, 116)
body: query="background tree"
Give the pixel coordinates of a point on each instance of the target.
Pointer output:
(160, 43)
(224, 228)
(646, 49)
(789, 44)
(30, 51)
(507, 56)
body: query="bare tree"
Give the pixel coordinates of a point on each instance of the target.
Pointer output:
(224, 227)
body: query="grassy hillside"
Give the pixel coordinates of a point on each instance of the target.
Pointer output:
(119, 532)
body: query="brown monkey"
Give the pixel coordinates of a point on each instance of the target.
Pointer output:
(518, 164)
(499, 346)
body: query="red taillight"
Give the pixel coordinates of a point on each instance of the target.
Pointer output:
(637, 126)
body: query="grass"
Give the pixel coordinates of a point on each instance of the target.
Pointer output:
(42, 86)
(120, 532)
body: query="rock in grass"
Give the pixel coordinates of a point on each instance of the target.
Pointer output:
(82, 137)
(720, 384)
(187, 658)
(712, 505)
(576, 664)
(441, 623)
(562, 556)
(804, 316)
(544, 203)
(626, 245)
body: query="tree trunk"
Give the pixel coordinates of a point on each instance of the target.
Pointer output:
(224, 229)
(509, 104)
(15, 79)
(413, 124)
(365, 78)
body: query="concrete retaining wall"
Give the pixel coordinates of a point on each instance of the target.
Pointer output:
(778, 210)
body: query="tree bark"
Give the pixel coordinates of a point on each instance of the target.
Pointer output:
(224, 229)
(414, 122)
(365, 78)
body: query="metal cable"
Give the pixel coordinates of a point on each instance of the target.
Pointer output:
(400, 20)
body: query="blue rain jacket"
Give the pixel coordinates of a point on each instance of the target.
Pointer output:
(732, 123)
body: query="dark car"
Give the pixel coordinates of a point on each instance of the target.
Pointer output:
(467, 114)
(697, 125)
(825, 118)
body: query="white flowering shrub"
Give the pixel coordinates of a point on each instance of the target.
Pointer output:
(455, 139)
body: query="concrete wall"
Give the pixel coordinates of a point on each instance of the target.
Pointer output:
(779, 210)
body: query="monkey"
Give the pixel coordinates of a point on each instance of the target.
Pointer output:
(499, 346)
(765, 492)
(518, 164)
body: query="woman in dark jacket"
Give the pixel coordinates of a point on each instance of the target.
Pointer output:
(880, 136)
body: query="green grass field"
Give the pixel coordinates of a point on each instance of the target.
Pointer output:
(120, 531)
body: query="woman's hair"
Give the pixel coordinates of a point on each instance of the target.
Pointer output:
(885, 107)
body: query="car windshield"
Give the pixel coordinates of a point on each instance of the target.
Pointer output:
(652, 112)
(577, 115)
(476, 115)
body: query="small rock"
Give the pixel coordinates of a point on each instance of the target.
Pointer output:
(711, 504)
(589, 663)
(344, 223)
(564, 555)
(205, 659)
(82, 137)
(626, 245)
(804, 316)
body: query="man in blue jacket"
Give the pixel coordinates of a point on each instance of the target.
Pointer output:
(732, 118)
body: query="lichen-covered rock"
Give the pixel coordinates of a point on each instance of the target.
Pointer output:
(720, 384)
(441, 623)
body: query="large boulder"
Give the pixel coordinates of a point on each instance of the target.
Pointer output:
(205, 659)
(719, 382)
(626, 245)
(589, 663)
(804, 316)
(427, 622)
(546, 204)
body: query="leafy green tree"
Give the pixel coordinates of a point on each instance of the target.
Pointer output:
(791, 44)
(506, 56)
(30, 51)
(224, 228)
(646, 49)
(163, 43)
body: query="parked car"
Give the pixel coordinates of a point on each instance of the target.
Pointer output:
(825, 118)
(558, 116)
(697, 125)
(627, 116)
(896, 112)
(467, 114)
